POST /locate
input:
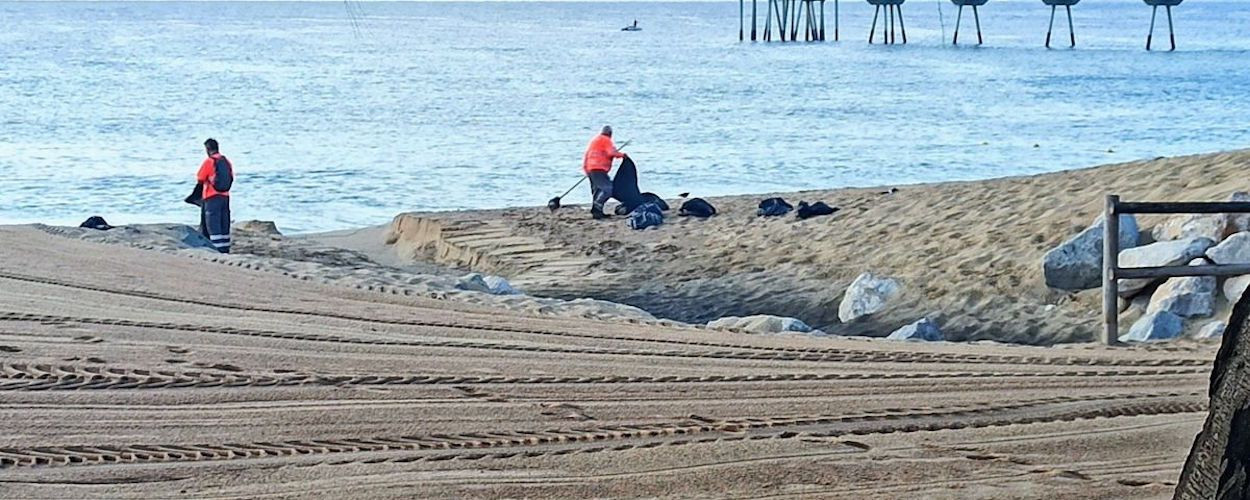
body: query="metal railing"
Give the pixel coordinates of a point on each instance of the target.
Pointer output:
(1112, 272)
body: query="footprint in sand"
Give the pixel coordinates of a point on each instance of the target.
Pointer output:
(175, 361)
(95, 360)
(90, 339)
(9, 348)
(177, 350)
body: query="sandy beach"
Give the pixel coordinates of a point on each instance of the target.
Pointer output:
(339, 365)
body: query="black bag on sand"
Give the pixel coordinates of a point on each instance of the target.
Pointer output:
(645, 216)
(815, 209)
(773, 207)
(697, 207)
(96, 222)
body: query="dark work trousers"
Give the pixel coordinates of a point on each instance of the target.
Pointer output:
(215, 222)
(600, 189)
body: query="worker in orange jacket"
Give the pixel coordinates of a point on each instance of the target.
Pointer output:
(215, 176)
(597, 163)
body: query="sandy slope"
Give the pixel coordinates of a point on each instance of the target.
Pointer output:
(137, 374)
(968, 253)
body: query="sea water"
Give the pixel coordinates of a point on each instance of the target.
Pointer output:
(342, 114)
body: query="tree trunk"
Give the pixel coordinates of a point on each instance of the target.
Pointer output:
(1218, 466)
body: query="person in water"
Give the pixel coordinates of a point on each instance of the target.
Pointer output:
(597, 163)
(214, 205)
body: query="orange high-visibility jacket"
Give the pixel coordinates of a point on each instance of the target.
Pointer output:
(206, 174)
(599, 154)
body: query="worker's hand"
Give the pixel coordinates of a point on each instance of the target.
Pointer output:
(624, 154)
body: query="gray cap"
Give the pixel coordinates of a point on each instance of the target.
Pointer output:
(607, 130)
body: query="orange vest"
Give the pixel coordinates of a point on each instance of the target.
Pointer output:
(599, 154)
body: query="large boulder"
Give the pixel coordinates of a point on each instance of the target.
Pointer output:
(1236, 286)
(923, 330)
(1179, 227)
(762, 323)
(1076, 264)
(494, 285)
(1212, 330)
(868, 294)
(1239, 222)
(1233, 250)
(1157, 327)
(1163, 253)
(1188, 297)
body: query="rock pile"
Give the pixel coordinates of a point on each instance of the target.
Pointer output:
(1169, 308)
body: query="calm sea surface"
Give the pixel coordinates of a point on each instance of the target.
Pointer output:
(344, 114)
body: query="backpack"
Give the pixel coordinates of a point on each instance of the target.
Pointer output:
(223, 177)
(773, 207)
(697, 207)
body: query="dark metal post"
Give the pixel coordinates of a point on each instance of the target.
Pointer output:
(902, 26)
(1071, 30)
(742, 6)
(753, 21)
(873, 31)
(1154, 11)
(836, 17)
(1051, 27)
(1171, 34)
(977, 16)
(1110, 262)
(958, 17)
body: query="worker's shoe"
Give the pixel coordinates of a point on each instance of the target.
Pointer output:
(597, 214)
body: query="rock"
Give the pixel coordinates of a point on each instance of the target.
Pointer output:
(1156, 327)
(494, 285)
(1076, 264)
(762, 323)
(1239, 222)
(1234, 287)
(1179, 227)
(266, 227)
(1233, 250)
(868, 294)
(922, 330)
(1163, 253)
(1187, 297)
(1212, 330)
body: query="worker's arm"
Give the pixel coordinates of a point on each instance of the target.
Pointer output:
(613, 152)
(206, 170)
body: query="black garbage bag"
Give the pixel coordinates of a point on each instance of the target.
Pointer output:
(197, 195)
(697, 207)
(645, 216)
(816, 209)
(625, 189)
(774, 207)
(96, 222)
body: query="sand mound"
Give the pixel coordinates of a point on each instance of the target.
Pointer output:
(266, 250)
(968, 254)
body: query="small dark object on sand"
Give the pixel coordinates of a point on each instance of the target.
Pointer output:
(890, 191)
(645, 216)
(814, 210)
(697, 207)
(773, 207)
(96, 222)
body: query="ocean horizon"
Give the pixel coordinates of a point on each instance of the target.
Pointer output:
(342, 115)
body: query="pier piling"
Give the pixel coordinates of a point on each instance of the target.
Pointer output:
(975, 14)
(887, 11)
(1154, 12)
(1067, 5)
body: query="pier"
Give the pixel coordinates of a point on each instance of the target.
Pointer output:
(791, 16)
(893, 9)
(1067, 5)
(975, 14)
(1154, 12)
